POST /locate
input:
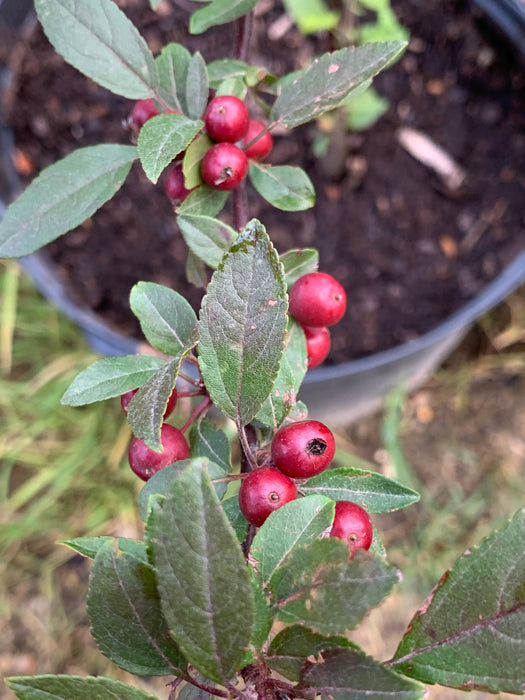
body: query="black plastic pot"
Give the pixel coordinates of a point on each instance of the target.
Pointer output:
(337, 394)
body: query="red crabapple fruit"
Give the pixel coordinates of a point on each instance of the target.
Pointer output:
(303, 449)
(317, 299)
(145, 462)
(352, 524)
(224, 166)
(263, 491)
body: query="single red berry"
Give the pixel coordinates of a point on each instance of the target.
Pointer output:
(263, 491)
(174, 184)
(223, 167)
(352, 523)
(261, 148)
(226, 118)
(318, 342)
(141, 112)
(317, 299)
(126, 398)
(303, 449)
(145, 462)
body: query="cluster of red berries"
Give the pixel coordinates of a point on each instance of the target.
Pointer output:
(144, 461)
(225, 164)
(298, 451)
(317, 301)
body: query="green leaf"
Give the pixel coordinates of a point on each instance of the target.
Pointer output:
(286, 187)
(191, 165)
(202, 576)
(219, 12)
(147, 407)
(312, 16)
(320, 588)
(283, 396)
(90, 546)
(172, 64)
(73, 688)
(63, 196)
(232, 86)
(196, 271)
(206, 237)
(188, 691)
(196, 86)
(297, 523)
(365, 109)
(126, 618)
(99, 40)
(290, 648)
(154, 4)
(162, 138)
(330, 79)
(203, 201)
(160, 484)
(299, 262)
(110, 377)
(166, 318)
(242, 325)
(374, 492)
(208, 441)
(235, 517)
(262, 626)
(470, 633)
(226, 69)
(349, 674)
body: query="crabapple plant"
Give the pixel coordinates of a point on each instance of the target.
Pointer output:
(254, 568)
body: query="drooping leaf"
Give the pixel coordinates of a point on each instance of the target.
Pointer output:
(162, 138)
(470, 633)
(312, 15)
(242, 325)
(299, 262)
(372, 491)
(126, 618)
(206, 237)
(196, 86)
(293, 367)
(191, 165)
(286, 187)
(63, 196)
(203, 201)
(319, 588)
(166, 318)
(172, 64)
(99, 40)
(298, 523)
(73, 688)
(290, 648)
(90, 546)
(160, 484)
(330, 79)
(219, 12)
(349, 674)
(202, 577)
(110, 377)
(208, 441)
(147, 407)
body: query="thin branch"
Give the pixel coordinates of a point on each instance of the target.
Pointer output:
(197, 411)
(240, 207)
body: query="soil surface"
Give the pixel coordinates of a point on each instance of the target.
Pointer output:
(407, 247)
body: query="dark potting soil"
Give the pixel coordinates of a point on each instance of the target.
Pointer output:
(407, 248)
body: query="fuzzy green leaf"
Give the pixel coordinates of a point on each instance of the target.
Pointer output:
(206, 237)
(110, 377)
(372, 491)
(191, 165)
(203, 201)
(196, 86)
(330, 79)
(126, 618)
(172, 64)
(90, 546)
(284, 186)
(470, 633)
(299, 262)
(203, 580)
(349, 674)
(99, 40)
(73, 688)
(162, 138)
(242, 325)
(208, 441)
(226, 69)
(63, 196)
(219, 12)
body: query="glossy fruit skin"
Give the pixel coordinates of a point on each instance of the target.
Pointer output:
(224, 166)
(352, 524)
(174, 184)
(142, 111)
(318, 342)
(261, 148)
(303, 449)
(226, 118)
(264, 490)
(126, 398)
(317, 299)
(145, 462)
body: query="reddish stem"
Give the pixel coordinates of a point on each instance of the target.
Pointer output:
(197, 392)
(240, 207)
(197, 411)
